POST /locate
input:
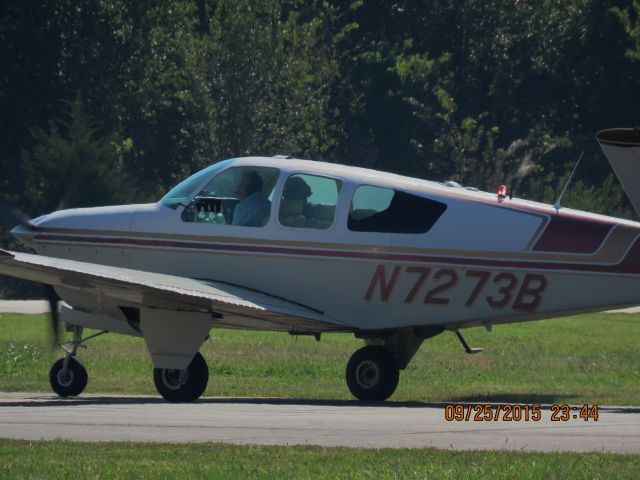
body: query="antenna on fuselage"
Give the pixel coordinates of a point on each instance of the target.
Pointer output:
(557, 205)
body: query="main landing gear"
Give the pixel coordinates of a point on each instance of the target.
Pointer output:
(373, 371)
(183, 385)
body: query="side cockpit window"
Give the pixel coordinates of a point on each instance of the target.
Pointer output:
(309, 201)
(238, 196)
(383, 210)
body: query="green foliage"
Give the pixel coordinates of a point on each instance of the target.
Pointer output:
(269, 71)
(480, 92)
(475, 91)
(630, 19)
(608, 198)
(440, 89)
(70, 167)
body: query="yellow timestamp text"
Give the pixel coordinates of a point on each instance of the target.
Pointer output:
(499, 412)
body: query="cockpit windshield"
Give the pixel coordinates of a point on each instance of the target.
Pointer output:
(181, 193)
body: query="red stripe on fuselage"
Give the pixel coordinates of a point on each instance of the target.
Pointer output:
(629, 265)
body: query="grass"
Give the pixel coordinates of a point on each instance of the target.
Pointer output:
(583, 359)
(22, 459)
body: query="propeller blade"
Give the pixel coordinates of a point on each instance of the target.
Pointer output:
(12, 216)
(53, 299)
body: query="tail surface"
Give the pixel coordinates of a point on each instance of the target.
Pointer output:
(622, 148)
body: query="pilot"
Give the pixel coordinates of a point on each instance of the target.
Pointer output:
(253, 209)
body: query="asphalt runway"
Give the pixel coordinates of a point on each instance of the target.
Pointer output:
(34, 416)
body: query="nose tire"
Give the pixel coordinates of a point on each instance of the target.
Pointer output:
(71, 383)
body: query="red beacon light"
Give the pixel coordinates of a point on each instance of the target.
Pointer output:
(502, 193)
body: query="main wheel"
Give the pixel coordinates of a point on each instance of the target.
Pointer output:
(183, 385)
(372, 374)
(71, 383)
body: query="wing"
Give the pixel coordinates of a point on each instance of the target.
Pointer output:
(234, 306)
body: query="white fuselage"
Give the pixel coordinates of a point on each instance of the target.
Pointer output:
(483, 261)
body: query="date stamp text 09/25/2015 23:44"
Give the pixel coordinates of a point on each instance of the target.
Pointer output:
(474, 412)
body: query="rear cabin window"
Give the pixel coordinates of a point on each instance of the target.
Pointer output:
(383, 210)
(309, 201)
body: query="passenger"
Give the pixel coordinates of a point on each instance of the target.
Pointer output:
(253, 209)
(294, 207)
(296, 189)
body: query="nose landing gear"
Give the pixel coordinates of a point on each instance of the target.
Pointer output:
(67, 376)
(68, 380)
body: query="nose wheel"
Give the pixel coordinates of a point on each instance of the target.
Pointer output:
(67, 376)
(183, 385)
(372, 374)
(69, 381)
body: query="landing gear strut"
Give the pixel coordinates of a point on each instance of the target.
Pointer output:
(67, 376)
(183, 385)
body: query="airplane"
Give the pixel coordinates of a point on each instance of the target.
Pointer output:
(283, 244)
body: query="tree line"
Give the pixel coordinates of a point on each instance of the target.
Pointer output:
(115, 101)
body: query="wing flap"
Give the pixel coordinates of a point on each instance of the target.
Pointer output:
(169, 292)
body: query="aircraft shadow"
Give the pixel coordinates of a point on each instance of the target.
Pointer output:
(544, 400)
(528, 398)
(53, 401)
(321, 402)
(622, 409)
(523, 398)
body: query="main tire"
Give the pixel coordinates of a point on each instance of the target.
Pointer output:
(180, 386)
(70, 384)
(372, 374)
